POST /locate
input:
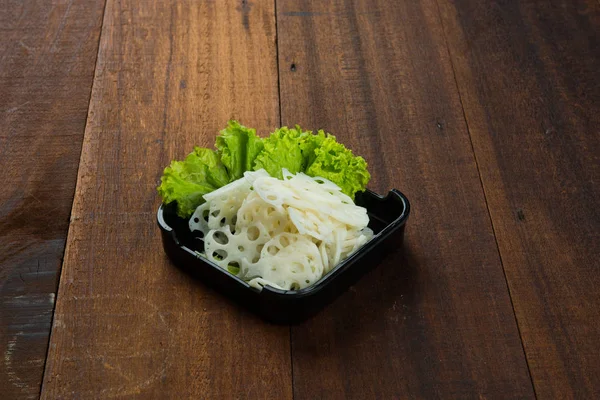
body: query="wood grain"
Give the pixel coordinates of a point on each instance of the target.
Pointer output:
(128, 323)
(528, 74)
(434, 321)
(47, 56)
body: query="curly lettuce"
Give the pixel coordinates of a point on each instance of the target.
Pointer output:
(316, 155)
(333, 161)
(239, 149)
(283, 150)
(185, 182)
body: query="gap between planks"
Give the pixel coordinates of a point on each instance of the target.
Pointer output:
(73, 199)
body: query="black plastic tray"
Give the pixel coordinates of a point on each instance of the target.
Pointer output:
(387, 214)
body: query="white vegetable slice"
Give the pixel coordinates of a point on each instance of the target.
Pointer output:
(289, 261)
(224, 203)
(303, 193)
(251, 176)
(240, 249)
(287, 233)
(274, 219)
(199, 220)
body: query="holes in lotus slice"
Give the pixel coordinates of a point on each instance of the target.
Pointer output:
(291, 261)
(286, 233)
(242, 247)
(220, 237)
(254, 208)
(234, 267)
(225, 202)
(252, 233)
(219, 255)
(199, 219)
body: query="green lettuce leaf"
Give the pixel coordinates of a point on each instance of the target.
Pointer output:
(187, 181)
(314, 154)
(309, 145)
(333, 161)
(216, 173)
(240, 150)
(283, 150)
(238, 147)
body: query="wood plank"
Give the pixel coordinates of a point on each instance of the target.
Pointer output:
(434, 321)
(128, 323)
(528, 75)
(47, 56)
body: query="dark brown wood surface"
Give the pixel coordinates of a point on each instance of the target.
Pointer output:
(127, 322)
(484, 113)
(47, 56)
(529, 79)
(434, 321)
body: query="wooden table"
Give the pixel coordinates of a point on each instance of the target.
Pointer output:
(485, 113)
